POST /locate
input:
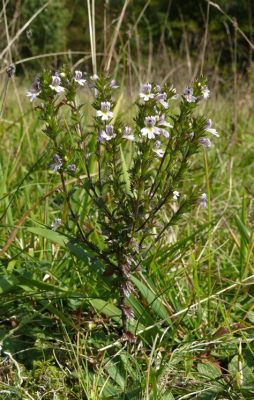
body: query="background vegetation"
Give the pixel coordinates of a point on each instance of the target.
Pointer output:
(56, 342)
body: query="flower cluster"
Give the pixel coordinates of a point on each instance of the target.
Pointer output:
(198, 92)
(56, 84)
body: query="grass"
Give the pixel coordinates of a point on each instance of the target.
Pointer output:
(194, 311)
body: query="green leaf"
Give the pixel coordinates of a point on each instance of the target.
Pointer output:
(246, 372)
(209, 370)
(85, 255)
(106, 308)
(28, 284)
(168, 396)
(109, 391)
(78, 251)
(52, 236)
(115, 374)
(250, 316)
(117, 107)
(210, 394)
(144, 317)
(59, 314)
(243, 230)
(153, 299)
(7, 284)
(166, 253)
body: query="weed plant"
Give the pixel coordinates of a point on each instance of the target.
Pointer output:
(126, 231)
(134, 175)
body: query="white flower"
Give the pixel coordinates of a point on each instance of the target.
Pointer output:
(202, 200)
(56, 84)
(175, 95)
(205, 92)
(104, 113)
(164, 133)
(35, 91)
(127, 134)
(205, 142)
(173, 90)
(188, 95)
(158, 151)
(113, 84)
(57, 164)
(107, 134)
(78, 78)
(163, 122)
(55, 224)
(94, 77)
(209, 128)
(146, 93)
(150, 130)
(72, 167)
(32, 94)
(103, 137)
(162, 99)
(176, 194)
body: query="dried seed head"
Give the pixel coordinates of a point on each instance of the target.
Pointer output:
(11, 70)
(129, 337)
(128, 312)
(126, 270)
(127, 288)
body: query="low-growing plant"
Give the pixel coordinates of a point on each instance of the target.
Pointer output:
(130, 178)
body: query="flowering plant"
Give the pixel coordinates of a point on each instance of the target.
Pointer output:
(131, 174)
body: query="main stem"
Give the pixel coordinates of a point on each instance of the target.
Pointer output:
(209, 280)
